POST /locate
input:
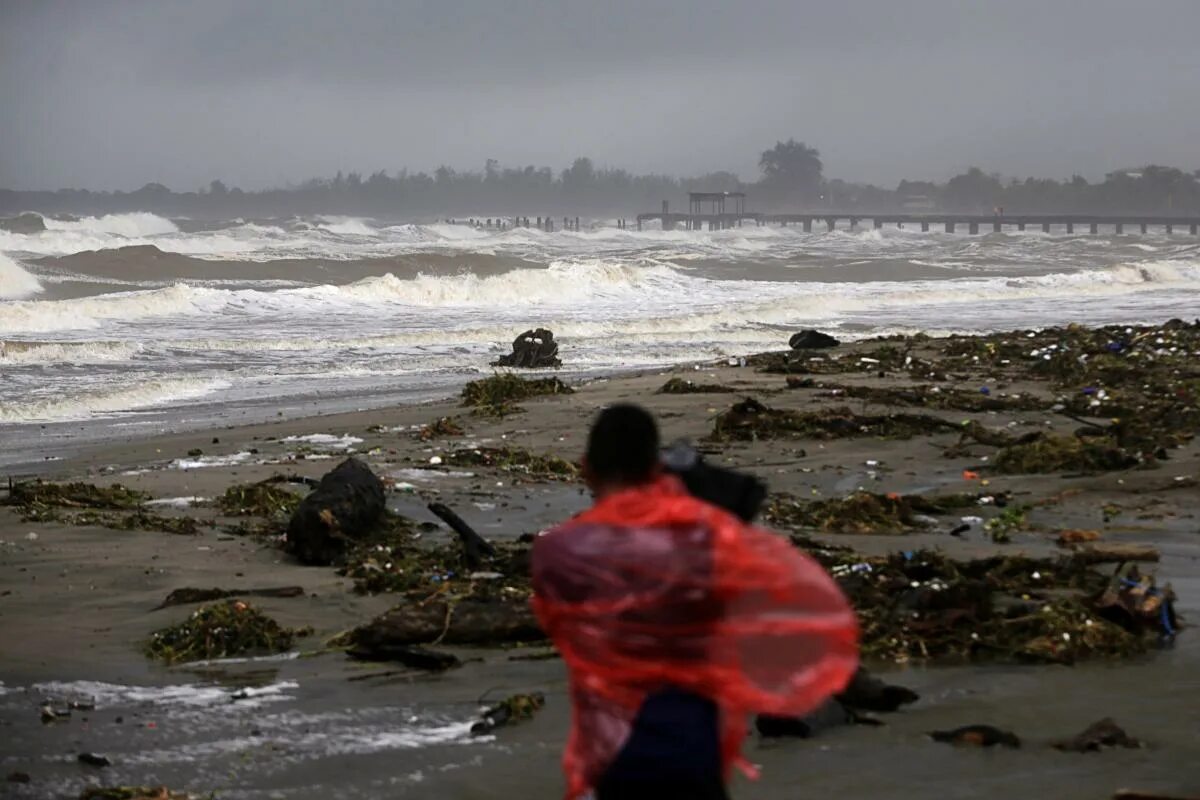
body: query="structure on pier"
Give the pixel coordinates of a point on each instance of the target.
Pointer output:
(716, 203)
(717, 217)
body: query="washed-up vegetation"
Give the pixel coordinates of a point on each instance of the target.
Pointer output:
(863, 512)
(684, 386)
(221, 630)
(925, 606)
(514, 460)
(261, 499)
(499, 394)
(86, 504)
(751, 420)
(943, 399)
(440, 428)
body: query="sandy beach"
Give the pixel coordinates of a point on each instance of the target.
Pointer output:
(78, 602)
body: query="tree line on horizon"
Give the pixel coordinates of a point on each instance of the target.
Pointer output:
(792, 179)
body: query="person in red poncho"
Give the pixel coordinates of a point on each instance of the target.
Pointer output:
(676, 620)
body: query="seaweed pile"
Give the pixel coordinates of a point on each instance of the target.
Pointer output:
(440, 428)
(863, 512)
(261, 499)
(498, 395)
(221, 630)
(750, 420)
(136, 793)
(88, 504)
(684, 386)
(924, 606)
(514, 460)
(935, 397)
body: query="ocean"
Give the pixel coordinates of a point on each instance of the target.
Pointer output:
(131, 324)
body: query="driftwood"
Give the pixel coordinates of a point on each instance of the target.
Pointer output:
(977, 736)
(344, 507)
(408, 655)
(466, 621)
(830, 714)
(189, 594)
(532, 349)
(476, 549)
(868, 693)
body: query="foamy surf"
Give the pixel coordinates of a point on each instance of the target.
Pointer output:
(16, 281)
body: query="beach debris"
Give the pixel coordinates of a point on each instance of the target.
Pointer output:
(516, 460)
(499, 394)
(977, 736)
(1006, 523)
(809, 339)
(221, 630)
(187, 595)
(1099, 735)
(933, 397)
(1136, 794)
(18, 777)
(1050, 453)
(1074, 536)
(440, 428)
(684, 386)
(94, 760)
(516, 708)
(862, 512)
(1133, 601)
(476, 549)
(344, 507)
(750, 420)
(133, 793)
(259, 499)
(532, 349)
(408, 655)
(87, 504)
(51, 714)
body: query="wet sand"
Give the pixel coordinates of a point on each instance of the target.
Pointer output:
(77, 602)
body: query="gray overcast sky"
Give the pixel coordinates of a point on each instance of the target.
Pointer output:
(116, 93)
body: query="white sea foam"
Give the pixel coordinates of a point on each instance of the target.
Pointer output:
(200, 462)
(21, 352)
(15, 280)
(175, 695)
(326, 440)
(109, 400)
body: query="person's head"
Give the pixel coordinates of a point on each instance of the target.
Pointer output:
(622, 449)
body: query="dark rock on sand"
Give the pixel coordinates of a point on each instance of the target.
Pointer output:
(810, 340)
(532, 349)
(93, 760)
(344, 507)
(19, 777)
(1097, 736)
(977, 736)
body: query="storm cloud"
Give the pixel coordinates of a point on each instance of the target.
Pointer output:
(116, 93)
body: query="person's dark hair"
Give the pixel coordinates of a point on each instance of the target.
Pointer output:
(623, 445)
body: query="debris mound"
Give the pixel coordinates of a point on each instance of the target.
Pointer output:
(862, 512)
(1050, 453)
(261, 499)
(533, 349)
(221, 630)
(514, 459)
(750, 420)
(513, 709)
(499, 394)
(1099, 735)
(977, 736)
(683, 386)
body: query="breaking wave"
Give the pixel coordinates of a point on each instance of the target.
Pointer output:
(15, 280)
(110, 400)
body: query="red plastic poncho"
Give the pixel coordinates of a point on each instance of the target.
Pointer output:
(652, 588)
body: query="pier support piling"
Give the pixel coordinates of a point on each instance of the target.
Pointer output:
(949, 227)
(1095, 228)
(974, 227)
(924, 226)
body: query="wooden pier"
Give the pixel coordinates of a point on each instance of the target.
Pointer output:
(950, 223)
